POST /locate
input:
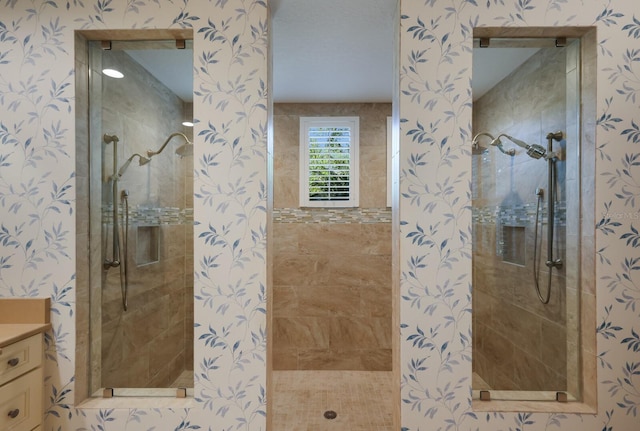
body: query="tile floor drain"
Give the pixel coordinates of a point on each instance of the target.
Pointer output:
(330, 414)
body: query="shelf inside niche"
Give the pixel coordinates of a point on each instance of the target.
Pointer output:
(513, 244)
(147, 245)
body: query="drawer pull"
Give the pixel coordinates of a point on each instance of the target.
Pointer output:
(13, 362)
(14, 413)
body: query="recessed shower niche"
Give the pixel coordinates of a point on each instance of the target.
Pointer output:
(533, 174)
(147, 245)
(140, 201)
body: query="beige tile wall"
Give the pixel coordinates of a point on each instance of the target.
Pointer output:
(151, 343)
(373, 148)
(519, 343)
(331, 280)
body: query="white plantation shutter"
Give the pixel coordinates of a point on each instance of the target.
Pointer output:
(329, 161)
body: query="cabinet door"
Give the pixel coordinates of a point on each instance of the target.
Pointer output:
(20, 357)
(21, 402)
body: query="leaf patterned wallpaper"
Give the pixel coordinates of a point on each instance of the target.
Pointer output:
(38, 225)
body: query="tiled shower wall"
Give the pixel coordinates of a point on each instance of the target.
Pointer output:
(519, 343)
(150, 344)
(332, 267)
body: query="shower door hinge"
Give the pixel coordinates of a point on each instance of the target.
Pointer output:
(561, 42)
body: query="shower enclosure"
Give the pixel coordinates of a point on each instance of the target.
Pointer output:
(526, 195)
(142, 197)
(331, 316)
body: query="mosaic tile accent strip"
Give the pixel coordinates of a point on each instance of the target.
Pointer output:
(332, 215)
(520, 215)
(513, 217)
(144, 216)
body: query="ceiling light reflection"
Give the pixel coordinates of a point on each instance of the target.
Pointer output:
(112, 73)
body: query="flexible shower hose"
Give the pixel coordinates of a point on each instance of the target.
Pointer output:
(551, 261)
(124, 276)
(536, 258)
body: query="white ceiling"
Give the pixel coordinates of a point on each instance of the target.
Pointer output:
(331, 51)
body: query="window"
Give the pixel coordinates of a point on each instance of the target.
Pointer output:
(329, 161)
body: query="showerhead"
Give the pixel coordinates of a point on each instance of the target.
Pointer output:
(180, 151)
(185, 149)
(478, 150)
(495, 142)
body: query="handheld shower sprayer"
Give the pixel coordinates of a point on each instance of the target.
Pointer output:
(142, 161)
(535, 151)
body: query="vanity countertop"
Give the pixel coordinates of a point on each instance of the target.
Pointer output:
(22, 317)
(12, 332)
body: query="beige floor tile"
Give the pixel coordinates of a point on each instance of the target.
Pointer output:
(360, 399)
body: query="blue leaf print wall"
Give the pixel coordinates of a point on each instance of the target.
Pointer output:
(435, 325)
(37, 197)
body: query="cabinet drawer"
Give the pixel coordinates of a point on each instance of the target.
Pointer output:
(21, 402)
(20, 357)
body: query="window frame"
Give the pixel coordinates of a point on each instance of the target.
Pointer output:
(354, 178)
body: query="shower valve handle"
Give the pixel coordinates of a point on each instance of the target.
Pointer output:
(556, 263)
(111, 264)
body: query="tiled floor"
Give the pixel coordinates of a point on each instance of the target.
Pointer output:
(361, 399)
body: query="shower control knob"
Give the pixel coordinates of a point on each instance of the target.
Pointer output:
(110, 264)
(557, 263)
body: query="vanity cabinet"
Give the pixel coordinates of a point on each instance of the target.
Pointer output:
(21, 384)
(22, 326)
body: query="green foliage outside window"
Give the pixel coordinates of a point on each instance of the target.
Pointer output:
(329, 163)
